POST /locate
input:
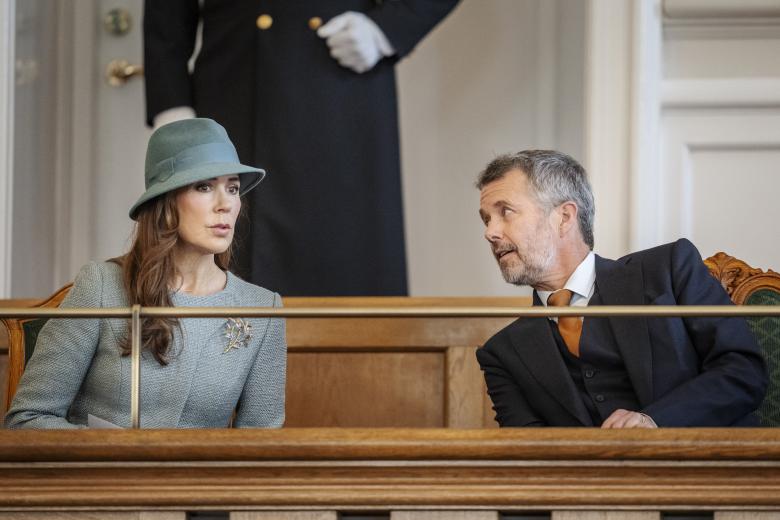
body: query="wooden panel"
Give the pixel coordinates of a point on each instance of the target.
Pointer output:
(606, 515)
(283, 515)
(463, 470)
(444, 515)
(3, 383)
(746, 515)
(465, 389)
(401, 332)
(365, 389)
(394, 469)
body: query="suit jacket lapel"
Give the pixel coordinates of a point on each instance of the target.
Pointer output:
(621, 284)
(534, 343)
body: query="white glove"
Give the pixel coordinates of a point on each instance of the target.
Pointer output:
(171, 115)
(355, 41)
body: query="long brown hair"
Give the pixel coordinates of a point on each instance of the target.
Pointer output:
(149, 271)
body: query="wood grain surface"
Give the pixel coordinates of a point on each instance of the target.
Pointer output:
(283, 515)
(366, 389)
(392, 469)
(444, 515)
(606, 515)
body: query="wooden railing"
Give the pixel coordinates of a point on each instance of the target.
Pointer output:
(390, 470)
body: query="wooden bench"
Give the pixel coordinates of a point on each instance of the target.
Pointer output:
(379, 372)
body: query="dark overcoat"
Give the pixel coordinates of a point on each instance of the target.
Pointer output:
(694, 371)
(328, 218)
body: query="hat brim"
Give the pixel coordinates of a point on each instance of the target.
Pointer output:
(250, 177)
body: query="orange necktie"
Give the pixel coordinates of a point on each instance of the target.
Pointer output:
(570, 327)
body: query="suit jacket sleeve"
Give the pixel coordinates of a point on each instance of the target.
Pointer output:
(63, 354)
(511, 407)
(732, 379)
(406, 22)
(169, 41)
(262, 400)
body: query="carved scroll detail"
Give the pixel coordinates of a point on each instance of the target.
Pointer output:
(738, 278)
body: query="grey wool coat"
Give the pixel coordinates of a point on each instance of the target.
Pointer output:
(77, 368)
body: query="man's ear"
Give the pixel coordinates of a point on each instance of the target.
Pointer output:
(567, 212)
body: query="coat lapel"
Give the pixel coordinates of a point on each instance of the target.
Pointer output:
(621, 284)
(535, 345)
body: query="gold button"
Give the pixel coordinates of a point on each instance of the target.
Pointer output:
(264, 21)
(315, 22)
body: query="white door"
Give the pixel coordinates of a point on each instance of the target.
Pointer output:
(120, 133)
(78, 143)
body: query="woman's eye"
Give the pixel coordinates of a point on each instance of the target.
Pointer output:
(234, 189)
(202, 186)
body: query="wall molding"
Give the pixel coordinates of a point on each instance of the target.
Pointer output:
(645, 158)
(78, 134)
(607, 127)
(685, 135)
(622, 150)
(721, 93)
(8, 75)
(702, 9)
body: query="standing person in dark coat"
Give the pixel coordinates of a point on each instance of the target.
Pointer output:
(306, 88)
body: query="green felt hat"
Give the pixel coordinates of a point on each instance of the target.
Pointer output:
(188, 151)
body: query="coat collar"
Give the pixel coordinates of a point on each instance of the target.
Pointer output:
(621, 283)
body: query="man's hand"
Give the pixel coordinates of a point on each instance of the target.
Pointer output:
(355, 41)
(627, 419)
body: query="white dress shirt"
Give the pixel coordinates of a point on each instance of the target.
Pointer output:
(581, 283)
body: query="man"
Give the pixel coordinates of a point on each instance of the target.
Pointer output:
(306, 89)
(538, 210)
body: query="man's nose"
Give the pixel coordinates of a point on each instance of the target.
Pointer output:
(493, 231)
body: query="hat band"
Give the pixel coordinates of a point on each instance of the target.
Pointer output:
(193, 156)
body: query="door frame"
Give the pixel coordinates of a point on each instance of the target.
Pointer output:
(7, 73)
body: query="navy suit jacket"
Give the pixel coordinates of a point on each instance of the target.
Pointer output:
(685, 371)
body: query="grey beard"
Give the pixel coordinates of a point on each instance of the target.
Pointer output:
(527, 273)
(522, 276)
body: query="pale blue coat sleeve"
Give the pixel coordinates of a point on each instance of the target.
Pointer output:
(62, 357)
(262, 400)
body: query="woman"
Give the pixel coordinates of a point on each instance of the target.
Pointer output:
(194, 372)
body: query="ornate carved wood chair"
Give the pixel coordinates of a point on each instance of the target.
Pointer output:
(22, 335)
(750, 286)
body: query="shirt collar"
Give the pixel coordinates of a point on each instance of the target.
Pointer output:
(581, 281)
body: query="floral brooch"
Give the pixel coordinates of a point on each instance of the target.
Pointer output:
(238, 333)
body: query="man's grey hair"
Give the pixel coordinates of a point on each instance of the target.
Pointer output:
(555, 178)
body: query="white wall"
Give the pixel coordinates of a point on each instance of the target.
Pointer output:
(495, 77)
(721, 127)
(34, 140)
(680, 132)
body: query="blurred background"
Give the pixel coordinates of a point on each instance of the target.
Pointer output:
(673, 107)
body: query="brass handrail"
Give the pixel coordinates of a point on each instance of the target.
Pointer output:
(137, 312)
(399, 312)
